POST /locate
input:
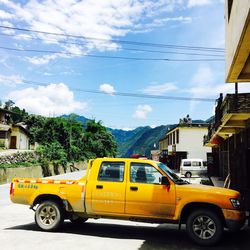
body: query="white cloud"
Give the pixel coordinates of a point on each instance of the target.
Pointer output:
(204, 85)
(5, 15)
(54, 99)
(7, 31)
(42, 60)
(23, 37)
(11, 80)
(107, 20)
(142, 111)
(107, 88)
(159, 22)
(159, 89)
(193, 3)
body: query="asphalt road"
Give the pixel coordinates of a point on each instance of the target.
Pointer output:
(18, 231)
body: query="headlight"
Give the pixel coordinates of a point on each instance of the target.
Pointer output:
(235, 203)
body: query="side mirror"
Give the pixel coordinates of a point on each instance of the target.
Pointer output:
(165, 181)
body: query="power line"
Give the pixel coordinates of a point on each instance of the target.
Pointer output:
(162, 97)
(117, 41)
(123, 48)
(110, 57)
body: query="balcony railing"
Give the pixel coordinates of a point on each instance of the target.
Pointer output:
(232, 104)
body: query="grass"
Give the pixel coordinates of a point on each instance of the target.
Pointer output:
(18, 165)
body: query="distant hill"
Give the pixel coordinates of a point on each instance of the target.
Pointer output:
(144, 140)
(138, 141)
(79, 118)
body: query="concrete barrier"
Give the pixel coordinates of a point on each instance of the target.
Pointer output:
(7, 174)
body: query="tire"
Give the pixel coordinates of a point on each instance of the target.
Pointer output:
(204, 227)
(188, 174)
(78, 220)
(49, 216)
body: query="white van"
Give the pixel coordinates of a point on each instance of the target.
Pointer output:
(191, 167)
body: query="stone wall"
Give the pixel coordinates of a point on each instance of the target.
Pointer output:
(18, 157)
(36, 171)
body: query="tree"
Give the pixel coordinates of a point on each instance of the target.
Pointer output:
(98, 140)
(53, 153)
(8, 104)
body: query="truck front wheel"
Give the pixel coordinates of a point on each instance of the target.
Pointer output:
(204, 227)
(49, 215)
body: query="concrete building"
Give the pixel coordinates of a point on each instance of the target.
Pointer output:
(12, 136)
(237, 25)
(229, 133)
(19, 137)
(5, 131)
(184, 141)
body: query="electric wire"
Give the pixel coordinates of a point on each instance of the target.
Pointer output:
(110, 57)
(116, 40)
(124, 94)
(122, 48)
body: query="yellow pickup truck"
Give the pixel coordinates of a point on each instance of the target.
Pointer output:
(132, 189)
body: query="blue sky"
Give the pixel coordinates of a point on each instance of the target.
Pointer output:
(53, 84)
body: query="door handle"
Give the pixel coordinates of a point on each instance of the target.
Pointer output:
(99, 186)
(133, 188)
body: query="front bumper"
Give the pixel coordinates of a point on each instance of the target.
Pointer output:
(234, 219)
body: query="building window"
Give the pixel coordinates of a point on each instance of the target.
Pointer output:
(177, 136)
(2, 134)
(174, 137)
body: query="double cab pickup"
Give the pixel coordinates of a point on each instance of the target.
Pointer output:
(132, 189)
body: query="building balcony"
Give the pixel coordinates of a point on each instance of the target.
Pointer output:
(231, 117)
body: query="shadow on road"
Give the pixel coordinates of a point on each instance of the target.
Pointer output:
(161, 237)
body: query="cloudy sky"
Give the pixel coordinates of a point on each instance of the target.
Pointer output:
(128, 63)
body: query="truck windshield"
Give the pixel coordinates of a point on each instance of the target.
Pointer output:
(174, 177)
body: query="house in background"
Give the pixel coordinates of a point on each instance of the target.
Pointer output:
(229, 133)
(12, 136)
(184, 141)
(5, 131)
(19, 138)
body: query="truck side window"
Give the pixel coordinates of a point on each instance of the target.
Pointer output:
(144, 173)
(111, 171)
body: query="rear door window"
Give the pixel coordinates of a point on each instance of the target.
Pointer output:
(111, 171)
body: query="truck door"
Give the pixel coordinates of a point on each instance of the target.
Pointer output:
(108, 189)
(146, 196)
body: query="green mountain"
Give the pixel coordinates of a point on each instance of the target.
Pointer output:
(145, 140)
(138, 141)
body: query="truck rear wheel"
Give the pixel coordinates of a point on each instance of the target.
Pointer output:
(49, 216)
(204, 227)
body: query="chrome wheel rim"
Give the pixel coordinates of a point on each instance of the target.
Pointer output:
(47, 215)
(204, 227)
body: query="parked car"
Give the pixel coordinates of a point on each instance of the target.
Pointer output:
(191, 167)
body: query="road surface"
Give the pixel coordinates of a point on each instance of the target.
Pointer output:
(18, 231)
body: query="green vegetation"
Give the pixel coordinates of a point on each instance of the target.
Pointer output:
(63, 140)
(19, 164)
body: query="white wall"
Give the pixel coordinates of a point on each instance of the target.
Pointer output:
(191, 141)
(22, 141)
